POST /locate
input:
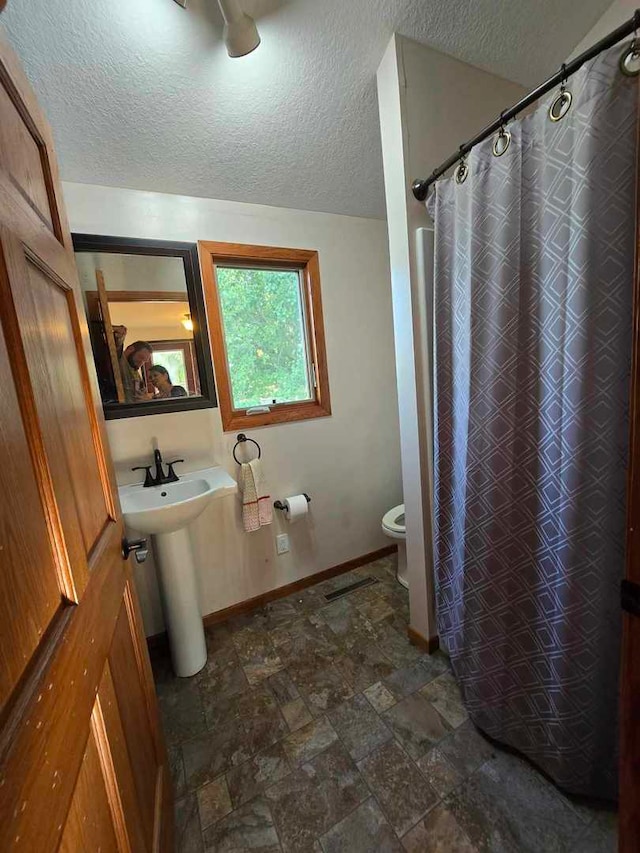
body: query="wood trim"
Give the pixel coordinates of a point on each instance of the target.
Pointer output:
(142, 295)
(317, 338)
(156, 844)
(284, 413)
(112, 781)
(430, 645)
(114, 754)
(103, 300)
(283, 591)
(243, 252)
(297, 586)
(305, 260)
(629, 773)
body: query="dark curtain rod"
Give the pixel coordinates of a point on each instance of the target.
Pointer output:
(420, 187)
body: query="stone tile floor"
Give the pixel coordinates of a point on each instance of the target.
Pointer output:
(317, 726)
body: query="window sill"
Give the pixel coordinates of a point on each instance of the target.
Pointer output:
(283, 414)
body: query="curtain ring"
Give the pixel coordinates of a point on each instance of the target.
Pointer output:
(629, 63)
(501, 141)
(462, 171)
(562, 102)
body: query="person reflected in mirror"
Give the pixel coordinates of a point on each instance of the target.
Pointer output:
(161, 381)
(132, 359)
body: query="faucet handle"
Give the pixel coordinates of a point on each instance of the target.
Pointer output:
(148, 478)
(171, 474)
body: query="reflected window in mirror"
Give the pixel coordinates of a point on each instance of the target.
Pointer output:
(147, 324)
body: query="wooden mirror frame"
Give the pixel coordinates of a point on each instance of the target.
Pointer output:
(188, 252)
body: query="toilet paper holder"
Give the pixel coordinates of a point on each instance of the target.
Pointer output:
(281, 506)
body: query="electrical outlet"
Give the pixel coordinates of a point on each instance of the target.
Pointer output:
(282, 543)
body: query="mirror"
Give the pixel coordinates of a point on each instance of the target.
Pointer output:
(147, 324)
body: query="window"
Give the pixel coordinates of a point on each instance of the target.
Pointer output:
(178, 358)
(265, 316)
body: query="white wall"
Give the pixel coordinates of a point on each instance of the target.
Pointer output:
(349, 463)
(429, 104)
(151, 321)
(619, 12)
(131, 272)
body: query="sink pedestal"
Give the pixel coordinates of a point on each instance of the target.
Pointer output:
(177, 577)
(165, 512)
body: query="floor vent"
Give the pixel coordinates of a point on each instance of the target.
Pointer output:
(345, 590)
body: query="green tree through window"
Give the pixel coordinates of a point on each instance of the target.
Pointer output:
(264, 332)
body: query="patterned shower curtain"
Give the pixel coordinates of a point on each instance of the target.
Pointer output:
(533, 286)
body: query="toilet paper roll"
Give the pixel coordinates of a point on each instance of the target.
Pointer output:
(296, 508)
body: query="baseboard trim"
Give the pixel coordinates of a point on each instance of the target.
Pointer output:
(282, 591)
(430, 645)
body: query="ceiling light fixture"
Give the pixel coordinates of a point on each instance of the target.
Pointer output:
(187, 322)
(240, 32)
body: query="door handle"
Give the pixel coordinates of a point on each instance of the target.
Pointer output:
(136, 546)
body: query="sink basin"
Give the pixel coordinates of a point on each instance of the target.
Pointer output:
(163, 509)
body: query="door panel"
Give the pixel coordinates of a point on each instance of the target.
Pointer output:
(21, 157)
(83, 764)
(58, 389)
(43, 740)
(43, 432)
(30, 593)
(133, 713)
(89, 825)
(118, 766)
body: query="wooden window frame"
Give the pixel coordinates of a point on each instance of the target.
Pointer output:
(306, 261)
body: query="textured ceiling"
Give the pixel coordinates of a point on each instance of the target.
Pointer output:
(141, 93)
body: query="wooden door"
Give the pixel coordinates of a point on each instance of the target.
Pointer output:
(82, 760)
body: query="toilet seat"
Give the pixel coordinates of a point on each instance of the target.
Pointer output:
(393, 523)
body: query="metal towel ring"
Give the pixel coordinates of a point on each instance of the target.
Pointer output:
(242, 438)
(629, 62)
(562, 102)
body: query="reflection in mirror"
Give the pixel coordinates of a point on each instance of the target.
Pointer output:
(143, 326)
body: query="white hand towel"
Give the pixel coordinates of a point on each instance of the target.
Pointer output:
(256, 501)
(265, 512)
(250, 515)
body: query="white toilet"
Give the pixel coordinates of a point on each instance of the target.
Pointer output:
(393, 526)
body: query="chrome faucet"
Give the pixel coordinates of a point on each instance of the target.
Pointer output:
(160, 477)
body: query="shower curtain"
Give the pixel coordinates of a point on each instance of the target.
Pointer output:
(534, 257)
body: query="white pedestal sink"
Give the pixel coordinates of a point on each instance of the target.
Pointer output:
(164, 512)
